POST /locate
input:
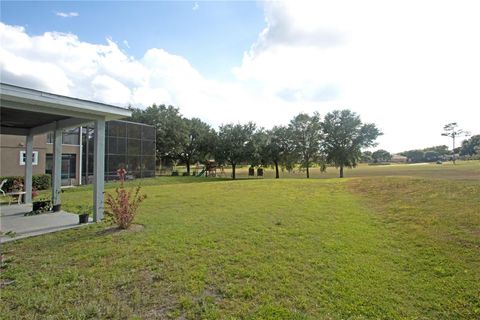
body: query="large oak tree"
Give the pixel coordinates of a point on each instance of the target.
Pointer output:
(198, 142)
(235, 144)
(306, 136)
(277, 148)
(344, 137)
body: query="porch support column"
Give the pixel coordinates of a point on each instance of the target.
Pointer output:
(57, 168)
(98, 170)
(28, 169)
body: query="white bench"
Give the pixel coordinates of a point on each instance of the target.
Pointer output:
(19, 194)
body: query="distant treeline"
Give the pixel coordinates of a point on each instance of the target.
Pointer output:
(309, 140)
(469, 150)
(337, 139)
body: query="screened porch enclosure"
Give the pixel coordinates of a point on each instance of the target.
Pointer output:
(128, 145)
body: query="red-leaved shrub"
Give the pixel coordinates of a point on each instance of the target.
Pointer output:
(123, 205)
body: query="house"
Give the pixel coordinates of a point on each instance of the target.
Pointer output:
(397, 158)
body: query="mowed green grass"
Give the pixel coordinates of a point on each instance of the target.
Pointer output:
(356, 248)
(463, 170)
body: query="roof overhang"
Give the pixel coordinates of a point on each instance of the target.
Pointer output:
(26, 111)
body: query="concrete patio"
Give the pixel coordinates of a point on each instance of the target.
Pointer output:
(13, 220)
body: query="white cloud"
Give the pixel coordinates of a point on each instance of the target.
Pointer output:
(195, 6)
(409, 67)
(67, 14)
(62, 63)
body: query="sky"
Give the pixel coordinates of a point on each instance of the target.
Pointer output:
(410, 67)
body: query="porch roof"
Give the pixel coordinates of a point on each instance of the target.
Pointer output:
(26, 111)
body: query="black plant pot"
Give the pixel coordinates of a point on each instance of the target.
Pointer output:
(83, 218)
(41, 205)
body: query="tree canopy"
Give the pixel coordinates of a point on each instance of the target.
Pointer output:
(198, 142)
(276, 148)
(306, 135)
(471, 146)
(452, 131)
(235, 144)
(381, 156)
(344, 137)
(170, 127)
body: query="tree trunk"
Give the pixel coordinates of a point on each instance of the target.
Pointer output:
(308, 172)
(453, 158)
(188, 166)
(233, 171)
(341, 171)
(276, 170)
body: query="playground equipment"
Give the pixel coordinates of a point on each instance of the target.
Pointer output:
(210, 168)
(201, 173)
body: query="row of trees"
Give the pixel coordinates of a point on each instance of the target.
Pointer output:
(469, 149)
(308, 140)
(377, 156)
(430, 154)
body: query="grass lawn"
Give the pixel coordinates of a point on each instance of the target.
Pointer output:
(379, 246)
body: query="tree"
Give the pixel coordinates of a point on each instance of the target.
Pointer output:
(381, 156)
(366, 156)
(170, 127)
(235, 144)
(198, 142)
(414, 155)
(256, 146)
(276, 148)
(469, 146)
(344, 137)
(432, 156)
(451, 130)
(441, 150)
(306, 136)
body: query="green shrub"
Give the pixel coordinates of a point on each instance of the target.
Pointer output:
(39, 181)
(42, 181)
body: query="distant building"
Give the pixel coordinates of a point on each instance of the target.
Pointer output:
(397, 158)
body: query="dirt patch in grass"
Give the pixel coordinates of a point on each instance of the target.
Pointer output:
(116, 230)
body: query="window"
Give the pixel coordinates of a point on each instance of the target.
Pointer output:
(69, 136)
(68, 164)
(23, 158)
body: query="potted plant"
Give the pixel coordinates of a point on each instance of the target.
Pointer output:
(43, 204)
(251, 171)
(83, 212)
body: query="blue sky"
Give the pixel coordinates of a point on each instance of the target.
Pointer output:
(211, 35)
(408, 66)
